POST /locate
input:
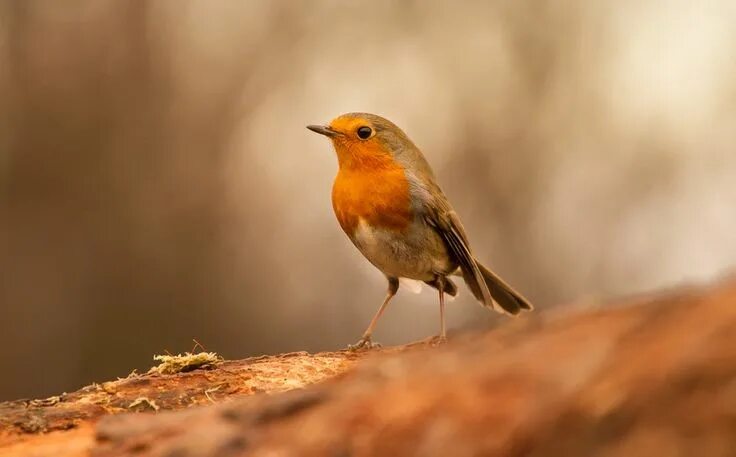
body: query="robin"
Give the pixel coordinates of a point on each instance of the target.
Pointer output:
(387, 200)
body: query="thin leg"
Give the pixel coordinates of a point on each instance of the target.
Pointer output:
(443, 330)
(365, 340)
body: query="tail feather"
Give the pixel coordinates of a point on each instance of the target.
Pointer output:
(504, 296)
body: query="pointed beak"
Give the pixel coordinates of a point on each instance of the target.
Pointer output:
(323, 130)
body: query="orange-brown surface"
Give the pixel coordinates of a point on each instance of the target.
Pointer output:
(26, 424)
(648, 376)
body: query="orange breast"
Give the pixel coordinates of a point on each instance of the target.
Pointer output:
(376, 193)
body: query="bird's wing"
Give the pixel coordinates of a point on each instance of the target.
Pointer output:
(440, 216)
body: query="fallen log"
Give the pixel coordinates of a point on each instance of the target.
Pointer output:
(652, 375)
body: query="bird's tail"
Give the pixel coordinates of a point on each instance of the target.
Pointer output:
(505, 298)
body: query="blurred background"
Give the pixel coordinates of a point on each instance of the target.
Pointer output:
(157, 183)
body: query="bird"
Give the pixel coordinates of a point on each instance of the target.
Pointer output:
(387, 201)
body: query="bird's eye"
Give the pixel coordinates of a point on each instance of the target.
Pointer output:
(364, 133)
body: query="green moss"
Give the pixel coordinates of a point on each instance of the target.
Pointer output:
(179, 363)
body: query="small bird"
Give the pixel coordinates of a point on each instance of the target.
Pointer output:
(387, 200)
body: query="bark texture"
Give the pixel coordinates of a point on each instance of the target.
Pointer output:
(651, 375)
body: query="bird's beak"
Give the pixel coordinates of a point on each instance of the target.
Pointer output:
(323, 130)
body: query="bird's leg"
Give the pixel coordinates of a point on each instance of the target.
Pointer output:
(365, 340)
(443, 331)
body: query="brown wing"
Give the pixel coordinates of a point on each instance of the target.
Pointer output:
(486, 286)
(440, 216)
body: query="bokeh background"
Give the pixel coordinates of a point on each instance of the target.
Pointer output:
(157, 183)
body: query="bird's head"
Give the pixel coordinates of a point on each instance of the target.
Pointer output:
(364, 139)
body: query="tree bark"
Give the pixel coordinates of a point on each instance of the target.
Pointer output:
(652, 375)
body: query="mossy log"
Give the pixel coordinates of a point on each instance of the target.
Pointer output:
(650, 375)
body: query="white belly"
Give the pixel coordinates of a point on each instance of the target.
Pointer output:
(416, 253)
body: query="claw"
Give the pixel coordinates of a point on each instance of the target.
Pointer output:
(364, 343)
(438, 340)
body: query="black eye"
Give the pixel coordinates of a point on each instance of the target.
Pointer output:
(364, 133)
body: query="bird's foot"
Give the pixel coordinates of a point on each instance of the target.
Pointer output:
(438, 340)
(364, 343)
